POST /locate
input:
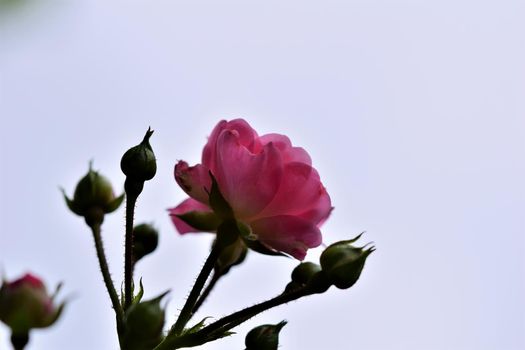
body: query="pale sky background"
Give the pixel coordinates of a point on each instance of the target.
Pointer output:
(413, 113)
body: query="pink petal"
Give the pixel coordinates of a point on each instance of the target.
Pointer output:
(288, 234)
(247, 137)
(187, 205)
(193, 180)
(288, 152)
(301, 193)
(247, 181)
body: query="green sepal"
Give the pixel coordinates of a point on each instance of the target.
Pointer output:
(201, 220)
(113, 205)
(137, 298)
(200, 325)
(217, 202)
(261, 248)
(70, 203)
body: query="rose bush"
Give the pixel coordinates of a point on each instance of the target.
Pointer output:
(270, 185)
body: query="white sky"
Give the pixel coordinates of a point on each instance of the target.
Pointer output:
(413, 112)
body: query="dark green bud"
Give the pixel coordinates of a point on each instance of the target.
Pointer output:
(231, 255)
(265, 337)
(138, 163)
(310, 275)
(93, 197)
(342, 262)
(304, 272)
(145, 240)
(144, 322)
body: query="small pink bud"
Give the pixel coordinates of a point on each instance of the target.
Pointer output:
(25, 304)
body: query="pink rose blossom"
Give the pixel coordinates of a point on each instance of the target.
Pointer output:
(270, 185)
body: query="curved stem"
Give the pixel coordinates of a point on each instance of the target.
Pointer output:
(211, 284)
(187, 310)
(128, 253)
(95, 228)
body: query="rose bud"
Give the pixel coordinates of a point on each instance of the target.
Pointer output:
(309, 275)
(145, 240)
(93, 197)
(25, 304)
(265, 337)
(342, 263)
(144, 322)
(230, 255)
(266, 184)
(139, 165)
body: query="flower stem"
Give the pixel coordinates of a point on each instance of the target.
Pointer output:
(211, 284)
(188, 309)
(95, 228)
(228, 322)
(217, 329)
(128, 253)
(19, 341)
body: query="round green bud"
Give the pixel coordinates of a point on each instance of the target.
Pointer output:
(304, 272)
(144, 322)
(93, 196)
(145, 240)
(265, 337)
(231, 255)
(138, 163)
(342, 263)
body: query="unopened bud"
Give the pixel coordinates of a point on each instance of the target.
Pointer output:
(145, 240)
(144, 322)
(231, 255)
(138, 163)
(342, 262)
(93, 197)
(265, 337)
(25, 304)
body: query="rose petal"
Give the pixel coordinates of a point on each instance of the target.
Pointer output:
(247, 137)
(193, 180)
(187, 205)
(286, 233)
(300, 194)
(288, 152)
(247, 181)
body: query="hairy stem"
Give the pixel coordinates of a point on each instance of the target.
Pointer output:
(187, 310)
(107, 277)
(128, 253)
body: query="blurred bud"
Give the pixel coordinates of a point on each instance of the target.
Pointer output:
(342, 263)
(231, 255)
(93, 197)
(144, 322)
(25, 304)
(145, 240)
(265, 337)
(138, 163)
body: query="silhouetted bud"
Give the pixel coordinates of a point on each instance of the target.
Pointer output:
(93, 197)
(231, 255)
(342, 262)
(144, 322)
(265, 337)
(138, 163)
(304, 272)
(145, 240)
